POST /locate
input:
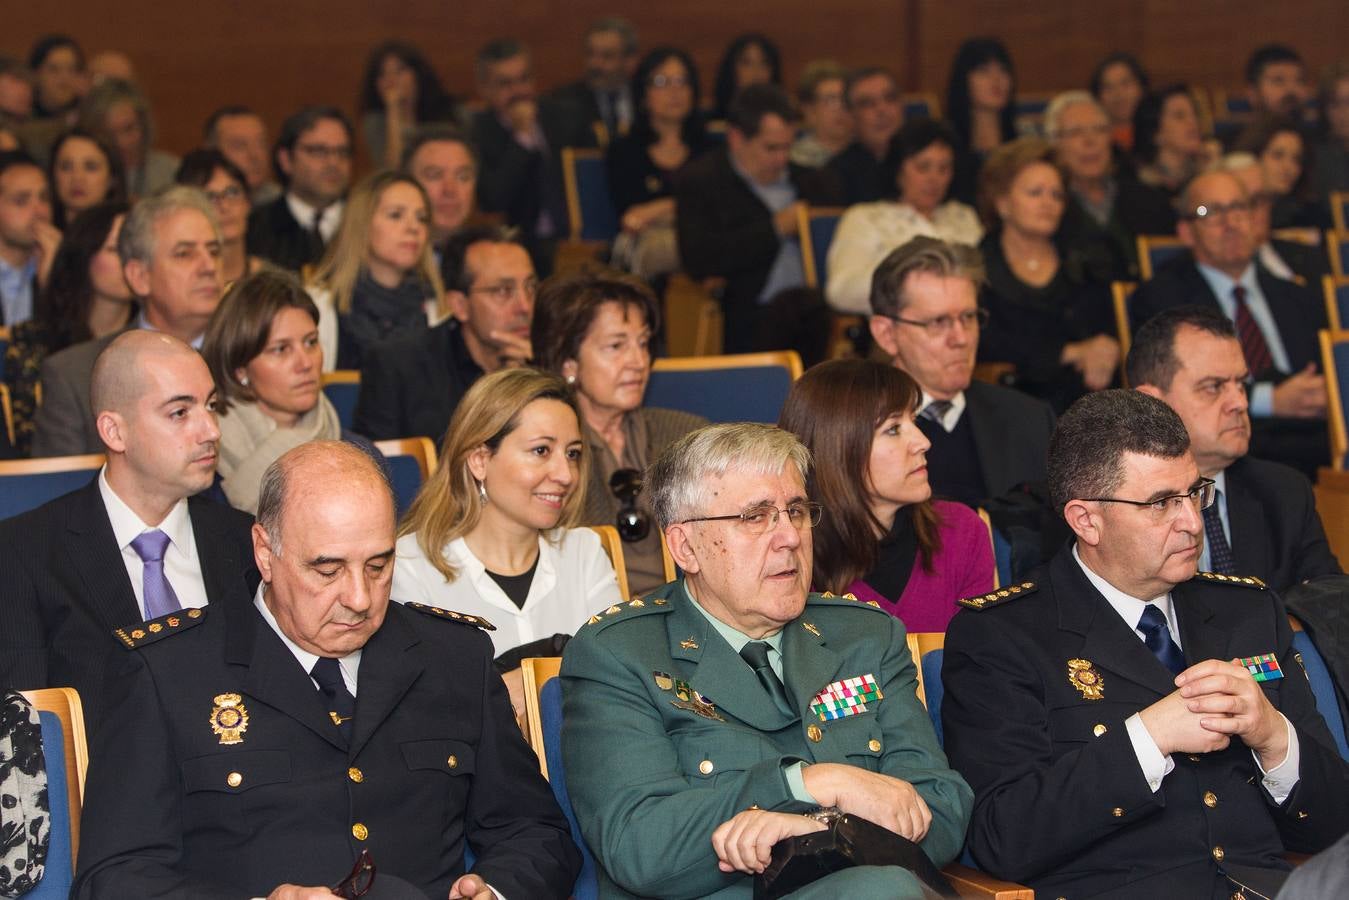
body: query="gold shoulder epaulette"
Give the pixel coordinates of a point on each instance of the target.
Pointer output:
(998, 597)
(1249, 581)
(652, 604)
(142, 633)
(849, 597)
(450, 615)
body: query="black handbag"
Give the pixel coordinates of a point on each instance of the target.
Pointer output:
(847, 841)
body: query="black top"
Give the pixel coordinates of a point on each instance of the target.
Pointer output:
(1029, 326)
(379, 314)
(864, 178)
(1109, 252)
(516, 587)
(634, 176)
(895, 557)
(953, 466)
(410, 387)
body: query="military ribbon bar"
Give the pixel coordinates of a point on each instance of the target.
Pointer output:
(846, 698)
(1264, 667)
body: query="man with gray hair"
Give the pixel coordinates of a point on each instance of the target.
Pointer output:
(726, 691)
(925, 315)
(170, 251)
(133, 544)
(604, 96)
(1132, 728)
(275, 743)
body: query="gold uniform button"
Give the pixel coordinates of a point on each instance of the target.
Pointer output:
(706, 767)
(1099, 729)
(1219, 853)
(1117, 812)
(874, 745)
(1210, 799)
(452, 762)
(815, 734)
(360, 832)
(355, 774)
(234, 779)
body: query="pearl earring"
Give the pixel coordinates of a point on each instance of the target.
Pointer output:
(244, 381)
(571, 379)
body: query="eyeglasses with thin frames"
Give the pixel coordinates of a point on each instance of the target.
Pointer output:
(764, 518)
(1170, 506)
(941, 326)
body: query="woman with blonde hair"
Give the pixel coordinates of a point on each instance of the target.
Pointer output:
(490, 532)
(378, 280)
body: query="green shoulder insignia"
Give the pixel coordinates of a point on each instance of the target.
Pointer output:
(833, 599)
(1249, 581)
(142, 633)
(450, 615)
(998, 597)
(630, 610)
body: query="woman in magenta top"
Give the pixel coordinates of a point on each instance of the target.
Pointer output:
(883, 537)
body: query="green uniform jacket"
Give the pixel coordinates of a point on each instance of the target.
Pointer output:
(651, 781)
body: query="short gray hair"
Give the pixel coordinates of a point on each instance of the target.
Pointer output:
(340, 456)
(1061, 103)
(677, 480)
(922, 254)
(137, 239)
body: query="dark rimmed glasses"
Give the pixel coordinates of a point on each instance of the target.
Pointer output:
(1170, 506)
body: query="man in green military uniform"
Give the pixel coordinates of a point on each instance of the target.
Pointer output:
(701, 722)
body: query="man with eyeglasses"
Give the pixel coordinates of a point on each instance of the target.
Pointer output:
(871, 95)
(709, 720)
(312, 157)
(986, 439)
(1132, 728)
(1276, 320)
(603, 96)
(1264, 521)
(411, 386)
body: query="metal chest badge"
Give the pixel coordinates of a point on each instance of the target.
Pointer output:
(1083, 676)
(229, 718)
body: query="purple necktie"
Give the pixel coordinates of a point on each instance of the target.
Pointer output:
(160, 600)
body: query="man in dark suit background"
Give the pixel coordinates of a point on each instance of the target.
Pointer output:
(520, 139)
(736, 216)
(986, 439)
(85, 564)
(269, 744)
(1115, 745)
(1276, 320)
(1283, 258)
(872, 96)
(410, 387)
(1263, 521)
(312, 157)
(604, 95)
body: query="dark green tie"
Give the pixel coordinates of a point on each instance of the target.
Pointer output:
(756, 654)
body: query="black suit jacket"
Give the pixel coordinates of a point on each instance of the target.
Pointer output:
(1060, 799)
(1275, 532)
(411, 387)
(274, 235)
(1306, 261)
(435, 762)
(862, 177)
(1011, 435)
(65, 588)
(726, 231)
(578, 102)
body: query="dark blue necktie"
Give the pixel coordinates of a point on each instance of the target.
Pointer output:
(341, 705)
(1158, 638)
(1220, 558)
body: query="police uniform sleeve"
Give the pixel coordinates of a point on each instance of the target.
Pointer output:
(131, 827)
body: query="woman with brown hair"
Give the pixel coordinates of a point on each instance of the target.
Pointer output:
(595, 331)
(882, 537)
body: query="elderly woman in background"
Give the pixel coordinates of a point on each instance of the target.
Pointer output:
(596, 331)
(119, 110)
(923, 158)
(84, 171)
(227, 189)
(86, 297)
(490, 532)
(882, 537)
(378, 279)
(1046, 316)
(262, 346)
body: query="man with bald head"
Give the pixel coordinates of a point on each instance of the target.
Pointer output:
(279, 740)
(131, 545)
(169, 246)
(1276, 320)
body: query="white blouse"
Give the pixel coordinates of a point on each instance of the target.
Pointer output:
(573, 580)
(869, 231)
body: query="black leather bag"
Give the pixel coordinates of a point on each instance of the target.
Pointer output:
(847, 841)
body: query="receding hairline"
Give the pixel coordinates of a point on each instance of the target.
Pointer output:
(119, 374)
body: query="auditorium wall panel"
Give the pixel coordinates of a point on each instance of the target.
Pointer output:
(278, 54)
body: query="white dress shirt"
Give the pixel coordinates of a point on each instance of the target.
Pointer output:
(1278, 781)
(573, 580)
(182, 565)
(304, 214)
